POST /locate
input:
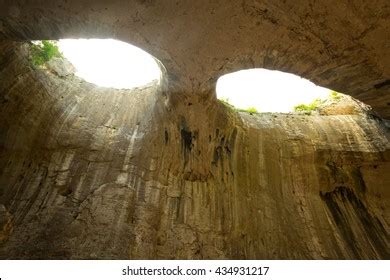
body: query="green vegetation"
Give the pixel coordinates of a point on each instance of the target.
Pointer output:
(313, 106)
(334, 95)
(308, 108)
(250, 110)
(225, 101)
(43, 52)
(304, 108)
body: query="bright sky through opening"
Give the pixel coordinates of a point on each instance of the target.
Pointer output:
(267, 90)
(110, 63)
(116, 64)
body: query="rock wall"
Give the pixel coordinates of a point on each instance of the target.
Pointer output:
(90, 172)
(339, 44)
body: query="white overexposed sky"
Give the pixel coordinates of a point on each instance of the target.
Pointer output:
(116, 64)
(267, 90)
(110, 63)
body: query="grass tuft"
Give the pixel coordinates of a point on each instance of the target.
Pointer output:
(43, 52)
(250, 110)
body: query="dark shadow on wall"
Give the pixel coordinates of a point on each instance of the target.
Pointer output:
(345, 207)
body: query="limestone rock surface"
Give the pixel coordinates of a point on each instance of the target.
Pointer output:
(89, 172)
(340, 44)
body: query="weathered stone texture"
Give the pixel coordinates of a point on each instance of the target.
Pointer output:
(340, 44)
(90, 172)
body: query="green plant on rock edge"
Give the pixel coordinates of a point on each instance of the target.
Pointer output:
(226, 102)
(43, 51)
(308, 108)
(334, 95)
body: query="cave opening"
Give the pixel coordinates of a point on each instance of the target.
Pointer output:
(262, 90)
(165, 170)
(109, 63)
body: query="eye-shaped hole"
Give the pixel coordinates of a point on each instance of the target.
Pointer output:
(262, 90)
(110, 63)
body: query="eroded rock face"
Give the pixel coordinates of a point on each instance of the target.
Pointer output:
(338, 44)
(89, 172)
